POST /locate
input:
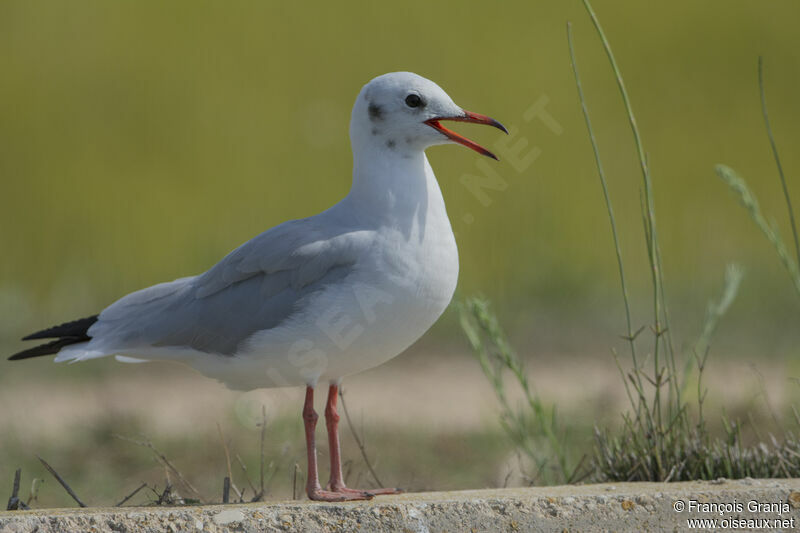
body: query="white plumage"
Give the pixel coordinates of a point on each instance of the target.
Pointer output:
(312, 299)
(318, 298)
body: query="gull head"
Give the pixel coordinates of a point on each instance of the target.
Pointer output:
(402, 113)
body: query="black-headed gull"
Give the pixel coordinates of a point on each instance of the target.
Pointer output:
(314, 299)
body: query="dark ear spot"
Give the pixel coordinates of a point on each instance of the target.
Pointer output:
(375, 112)
(390, 144)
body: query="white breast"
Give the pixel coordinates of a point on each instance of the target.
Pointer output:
(396, 292)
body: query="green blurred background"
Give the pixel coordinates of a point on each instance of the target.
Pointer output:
(141, 141)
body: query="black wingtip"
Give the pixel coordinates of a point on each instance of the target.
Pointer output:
(75, 328)
(48, 348)
(64, 334)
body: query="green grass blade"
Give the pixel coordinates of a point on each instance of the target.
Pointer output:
(777, 157)
(606, 197)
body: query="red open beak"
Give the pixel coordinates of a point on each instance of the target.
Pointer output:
(468, 116)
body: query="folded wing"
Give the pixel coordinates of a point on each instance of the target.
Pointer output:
(255, 287)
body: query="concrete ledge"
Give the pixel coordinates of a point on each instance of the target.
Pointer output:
(619, 507)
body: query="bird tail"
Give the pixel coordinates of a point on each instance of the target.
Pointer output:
(64, 334)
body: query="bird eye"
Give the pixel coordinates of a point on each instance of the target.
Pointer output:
(413, 100)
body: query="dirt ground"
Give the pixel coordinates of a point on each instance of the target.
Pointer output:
(429, 418)
(444, 390)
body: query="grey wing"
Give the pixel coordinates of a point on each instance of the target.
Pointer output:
(255, 287)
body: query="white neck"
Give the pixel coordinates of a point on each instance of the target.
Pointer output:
(388, 183)
(393, 186)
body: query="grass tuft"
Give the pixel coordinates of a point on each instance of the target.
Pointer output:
(683, 449)
(533, 427)
(664, 436)
(694, 457)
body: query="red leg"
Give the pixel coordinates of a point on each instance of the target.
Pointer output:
(332, 423)
(313, 488)
(336, 484)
